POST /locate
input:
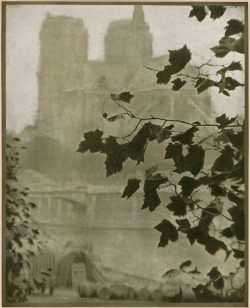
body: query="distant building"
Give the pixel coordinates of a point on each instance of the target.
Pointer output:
(73, 90)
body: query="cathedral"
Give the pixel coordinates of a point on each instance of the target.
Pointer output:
(74, 92)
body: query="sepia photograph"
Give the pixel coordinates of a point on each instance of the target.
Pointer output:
(124, 154)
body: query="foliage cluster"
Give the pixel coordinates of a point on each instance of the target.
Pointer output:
(22, 236)
(218, 224)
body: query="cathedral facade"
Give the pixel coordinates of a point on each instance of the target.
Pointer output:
(72, 89)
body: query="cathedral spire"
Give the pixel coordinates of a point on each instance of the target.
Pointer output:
(138, 15)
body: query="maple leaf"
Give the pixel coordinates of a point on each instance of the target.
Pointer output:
(131, 188)
(231, 83)
(164, 76)
(217, 190)
(178, 84)
(123, 96)
(186, 137)
(235, 26)
(179, 58)
(177, 205)
(188, 185)
(174, 151)
(203, 84)
(151, 198)
(234, 66)
(116, 155)
(93, 142)
(216, 11)
(223, 120)
(168, 232)
(227, 232)
(194, 160)
(184, 224)
(225, 161)
(227, 44)
(164, 133)
(198, 11)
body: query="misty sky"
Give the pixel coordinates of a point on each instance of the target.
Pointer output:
(170, 26)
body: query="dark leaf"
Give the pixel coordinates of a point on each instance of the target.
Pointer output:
(179, 58)
(178, 84)
(131, 188)
(228, 232)
(214, 274)
(203, 84)
(151, 200)
(154, 131)
(231, 84)
(105, 115)
(225, 161)
(168, 232)
(123, 96)
(16, 139)
(178, 206)
(203, 294)
(226, 44)
(237, 139)
(234, 66)
(116, 155)
(242, 263)
(237, 213)
(153, 182)
(234, 198)
(239, 230)
(92, 142)
(186, 137)
(164, 134)
(164, 76)
(217, 190)
(216, 11)
(185, 264)
(174, 151)
(239, 45)
(239, 254)
(184, 224)
(219, 284)
(212, 245)
(198, 11)
(115, 117)
(194, 160)
(193, 234)
(188, 185)
(136, 148)
(235, 26)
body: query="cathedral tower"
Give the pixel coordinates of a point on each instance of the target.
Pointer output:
(129, 41)
(63, 55)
